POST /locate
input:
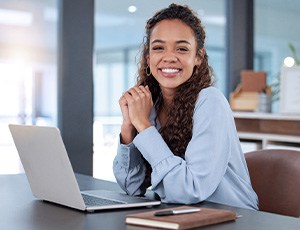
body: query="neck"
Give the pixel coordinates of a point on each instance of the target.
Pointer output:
(167, 97)
(167, 101)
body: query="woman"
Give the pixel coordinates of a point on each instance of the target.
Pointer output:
(178, 134)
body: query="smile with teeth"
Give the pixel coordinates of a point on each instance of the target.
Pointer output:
(169, 70)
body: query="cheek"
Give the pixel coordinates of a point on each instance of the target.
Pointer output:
(191, 63)
(153, 60)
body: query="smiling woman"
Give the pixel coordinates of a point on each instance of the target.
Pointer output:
(178, 133)
(118, 34)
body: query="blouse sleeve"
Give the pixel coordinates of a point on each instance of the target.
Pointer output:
(129, 169)
(194, 178)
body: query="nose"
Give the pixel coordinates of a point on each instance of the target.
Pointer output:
(170, 57)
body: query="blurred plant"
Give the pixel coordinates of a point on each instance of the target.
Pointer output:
(294, 53)
(275, 84)
(275, 87)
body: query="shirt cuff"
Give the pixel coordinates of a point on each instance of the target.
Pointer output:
(129, 155)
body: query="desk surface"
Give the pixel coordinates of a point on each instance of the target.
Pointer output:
(20, 210)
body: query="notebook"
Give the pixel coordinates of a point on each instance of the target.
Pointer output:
(51, 176)
(182, 220)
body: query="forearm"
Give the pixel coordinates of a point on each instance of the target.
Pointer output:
(172, 179)
(177, 180)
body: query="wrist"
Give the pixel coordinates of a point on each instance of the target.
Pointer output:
(140, 128)
(128, 132)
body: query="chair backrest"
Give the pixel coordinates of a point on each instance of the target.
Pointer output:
(275, 177)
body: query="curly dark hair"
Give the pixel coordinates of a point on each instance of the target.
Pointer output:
(177, 131)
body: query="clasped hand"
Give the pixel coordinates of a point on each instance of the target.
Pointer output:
(136, 105)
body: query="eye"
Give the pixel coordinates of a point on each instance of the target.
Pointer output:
(157, 48)
(182, 49)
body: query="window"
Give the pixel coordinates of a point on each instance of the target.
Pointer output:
(276, 25)
(27, 71)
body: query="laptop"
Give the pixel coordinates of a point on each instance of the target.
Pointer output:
(51, 176)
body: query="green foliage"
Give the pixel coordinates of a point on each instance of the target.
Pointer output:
(294, 53)
(275, 87)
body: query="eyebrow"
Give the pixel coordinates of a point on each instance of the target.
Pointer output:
(177, 42)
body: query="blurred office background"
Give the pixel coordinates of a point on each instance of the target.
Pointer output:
(29, 61)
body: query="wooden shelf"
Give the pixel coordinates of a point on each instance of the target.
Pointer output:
(266, 116)
(268, 130)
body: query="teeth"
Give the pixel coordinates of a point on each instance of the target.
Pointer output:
(170, 70)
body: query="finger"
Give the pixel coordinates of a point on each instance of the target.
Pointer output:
(122, 96)
(145, 90)
(138, 89)
(122, 101)
(131, 96)
(136, 92)
(141, 88)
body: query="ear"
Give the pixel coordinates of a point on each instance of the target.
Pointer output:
(199, 56)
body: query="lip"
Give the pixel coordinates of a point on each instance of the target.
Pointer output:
(169, 71)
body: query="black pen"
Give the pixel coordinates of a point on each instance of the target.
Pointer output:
(176, 212)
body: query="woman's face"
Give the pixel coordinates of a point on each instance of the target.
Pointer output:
(172, 53)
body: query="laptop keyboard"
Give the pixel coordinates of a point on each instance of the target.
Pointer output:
(97, 201)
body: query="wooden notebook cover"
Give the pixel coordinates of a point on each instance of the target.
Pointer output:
(206, 216)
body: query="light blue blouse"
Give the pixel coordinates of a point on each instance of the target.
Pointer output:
(213, 169)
